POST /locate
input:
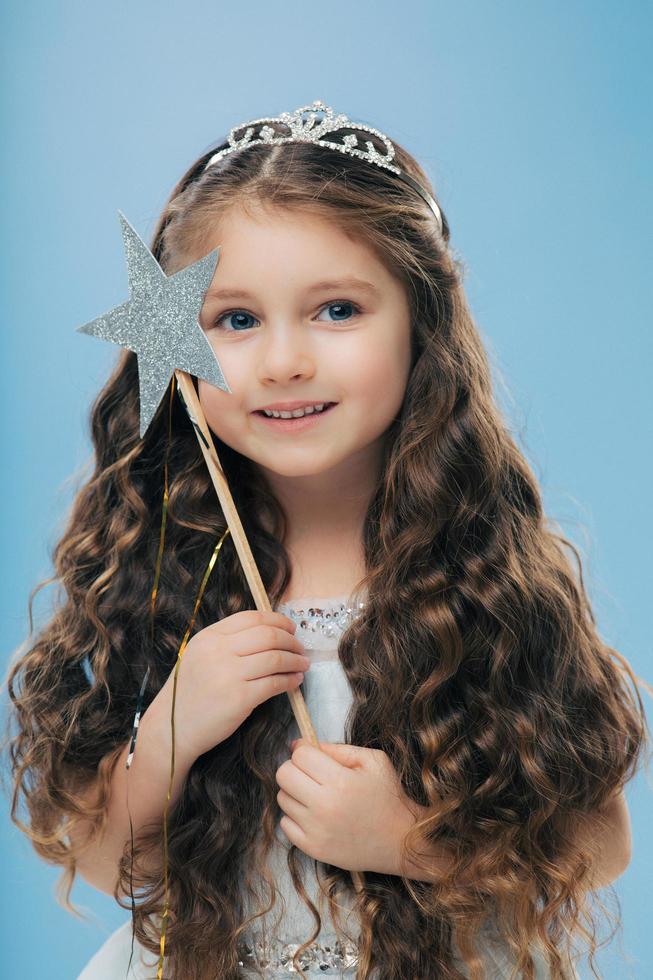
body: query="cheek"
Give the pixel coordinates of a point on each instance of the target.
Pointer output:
(223, 408)
(218, 406)
(382, 376)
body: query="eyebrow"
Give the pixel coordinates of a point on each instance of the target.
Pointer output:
(349, 283)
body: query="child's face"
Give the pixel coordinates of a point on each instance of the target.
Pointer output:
(289, 341)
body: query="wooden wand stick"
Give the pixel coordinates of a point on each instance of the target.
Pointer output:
(204, 437)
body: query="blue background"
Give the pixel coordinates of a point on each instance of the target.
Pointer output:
(530, 119)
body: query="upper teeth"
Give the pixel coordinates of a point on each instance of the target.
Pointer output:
(297, 414)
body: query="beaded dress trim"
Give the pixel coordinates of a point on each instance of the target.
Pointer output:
(276, 958)
(322, 619)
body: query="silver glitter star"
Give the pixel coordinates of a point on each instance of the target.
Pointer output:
(160, 322)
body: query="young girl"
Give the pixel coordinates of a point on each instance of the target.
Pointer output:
(417, 588)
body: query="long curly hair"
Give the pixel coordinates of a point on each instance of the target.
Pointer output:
(476, 664)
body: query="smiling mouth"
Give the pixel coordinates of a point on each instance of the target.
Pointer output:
(327, 406)
(296, 422)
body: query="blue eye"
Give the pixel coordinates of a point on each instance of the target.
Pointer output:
(338, 304)
(342, 304)
(238, 313)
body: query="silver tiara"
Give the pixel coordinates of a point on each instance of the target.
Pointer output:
(309, 131)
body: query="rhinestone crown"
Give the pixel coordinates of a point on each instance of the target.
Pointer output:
(309, 131)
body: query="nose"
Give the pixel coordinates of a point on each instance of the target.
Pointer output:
(284, 355)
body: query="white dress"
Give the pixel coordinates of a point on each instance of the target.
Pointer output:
(320, 623)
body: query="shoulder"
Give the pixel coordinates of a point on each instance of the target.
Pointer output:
(112, 958)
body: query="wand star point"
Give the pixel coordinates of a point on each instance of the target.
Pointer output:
(159, 322)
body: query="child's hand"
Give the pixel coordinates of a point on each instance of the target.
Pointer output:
(228, 669)
(344, 805)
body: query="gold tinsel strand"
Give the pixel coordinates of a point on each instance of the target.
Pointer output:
(216, 550)
(153, 597)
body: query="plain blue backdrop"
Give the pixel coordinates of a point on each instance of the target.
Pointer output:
(531, 119)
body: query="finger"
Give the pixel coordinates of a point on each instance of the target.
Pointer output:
(293, 832)
(247, 618)
(315, 763)
(262, 638)
(297, 784)
(292, 807)
(273, 662)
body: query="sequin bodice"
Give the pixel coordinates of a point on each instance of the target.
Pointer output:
(321, 622)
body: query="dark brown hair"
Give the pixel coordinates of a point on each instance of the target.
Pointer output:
(476, 664)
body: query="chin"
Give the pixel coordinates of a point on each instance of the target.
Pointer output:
(289, 470)
(285, 465)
